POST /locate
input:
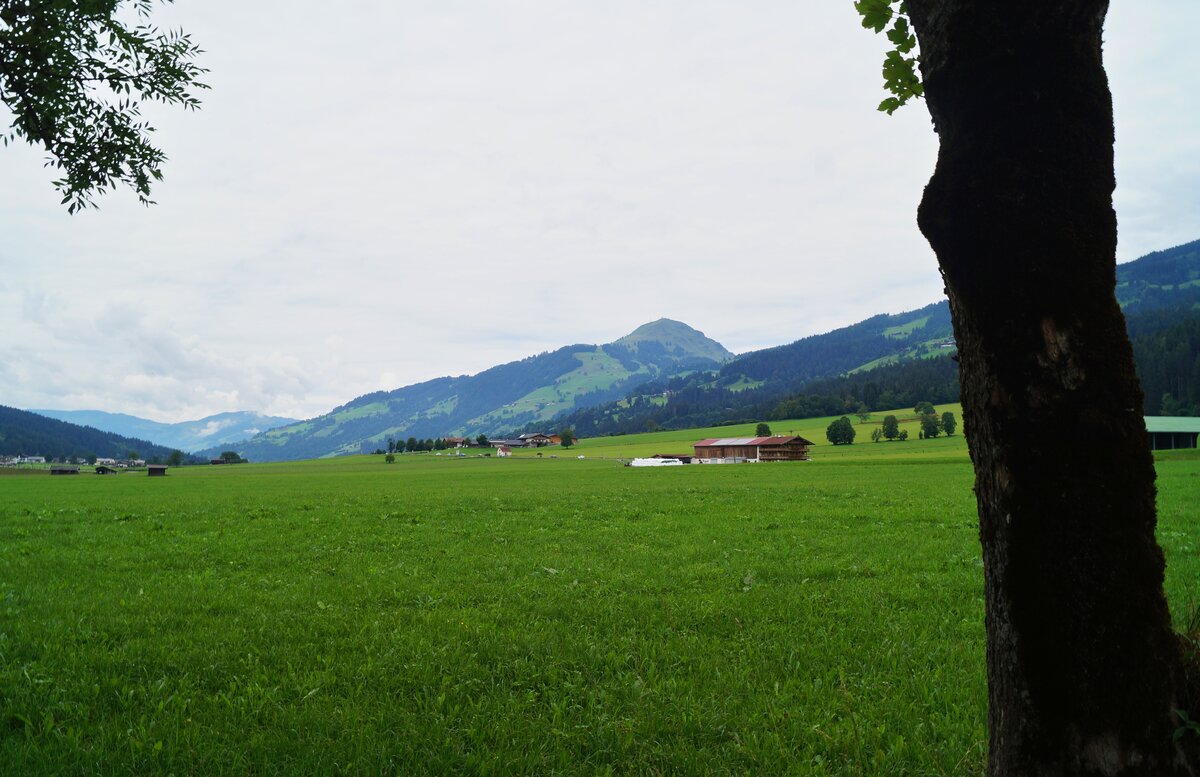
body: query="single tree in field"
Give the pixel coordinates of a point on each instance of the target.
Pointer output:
(876, 434)
(74, 76)
(923, 408)
(1085, 674)
(391, 445)
(840, 432)
(411, 444)
(231, 457)
(482, 440)
(863, 413)
(948, 423)
(567, 437)
(175, 459)
(891, 427)
(762, 430)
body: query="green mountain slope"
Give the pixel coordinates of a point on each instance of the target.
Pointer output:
(667, 335)
(496, 400)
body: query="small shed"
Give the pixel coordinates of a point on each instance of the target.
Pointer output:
(155, 470)
(64, 469)
(103, 470)
(1170, 432)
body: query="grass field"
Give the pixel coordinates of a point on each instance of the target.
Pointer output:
(520, 616)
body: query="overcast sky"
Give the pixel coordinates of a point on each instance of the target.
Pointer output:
(379, 193)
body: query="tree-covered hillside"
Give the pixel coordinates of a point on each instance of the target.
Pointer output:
(900, 337)
(30, 434)
(1163, 279)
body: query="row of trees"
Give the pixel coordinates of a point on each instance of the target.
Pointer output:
(842, 432)
(413, 445)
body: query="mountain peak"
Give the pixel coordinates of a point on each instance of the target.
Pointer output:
(677, 334)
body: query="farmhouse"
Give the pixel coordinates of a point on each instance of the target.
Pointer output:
(1169, 432)
(730, 450)
(537, 440)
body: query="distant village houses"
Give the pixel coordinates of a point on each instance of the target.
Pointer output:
(534, 440)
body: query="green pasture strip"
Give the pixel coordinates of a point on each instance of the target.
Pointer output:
(521, 616)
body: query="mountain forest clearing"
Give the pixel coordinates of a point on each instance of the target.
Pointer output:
(446, 615)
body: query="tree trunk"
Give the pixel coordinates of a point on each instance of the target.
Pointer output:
(1083, 664)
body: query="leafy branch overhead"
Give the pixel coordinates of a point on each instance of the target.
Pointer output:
(900, 66)
(74, 75)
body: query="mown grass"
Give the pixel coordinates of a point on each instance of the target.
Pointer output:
(524, 616)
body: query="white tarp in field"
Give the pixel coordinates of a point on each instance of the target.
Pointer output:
(656, 463)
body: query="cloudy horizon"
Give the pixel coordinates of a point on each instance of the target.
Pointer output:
(403, 191)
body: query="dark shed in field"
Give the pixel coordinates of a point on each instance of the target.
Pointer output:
(156, 469)
(62, 469)
(104, 470)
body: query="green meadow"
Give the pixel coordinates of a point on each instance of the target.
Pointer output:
(529, 615)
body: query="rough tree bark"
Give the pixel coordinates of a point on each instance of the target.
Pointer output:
(1083, 665)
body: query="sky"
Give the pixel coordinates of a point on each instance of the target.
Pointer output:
(389, 192)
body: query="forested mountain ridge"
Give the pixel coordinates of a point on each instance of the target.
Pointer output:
(499, 399)
(218, 430)
(31, 434)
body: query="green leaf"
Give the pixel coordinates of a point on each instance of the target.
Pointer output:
(875, 13)
(890, 104)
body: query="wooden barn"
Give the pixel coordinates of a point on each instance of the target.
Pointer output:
(156, 470)
(730, 450)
